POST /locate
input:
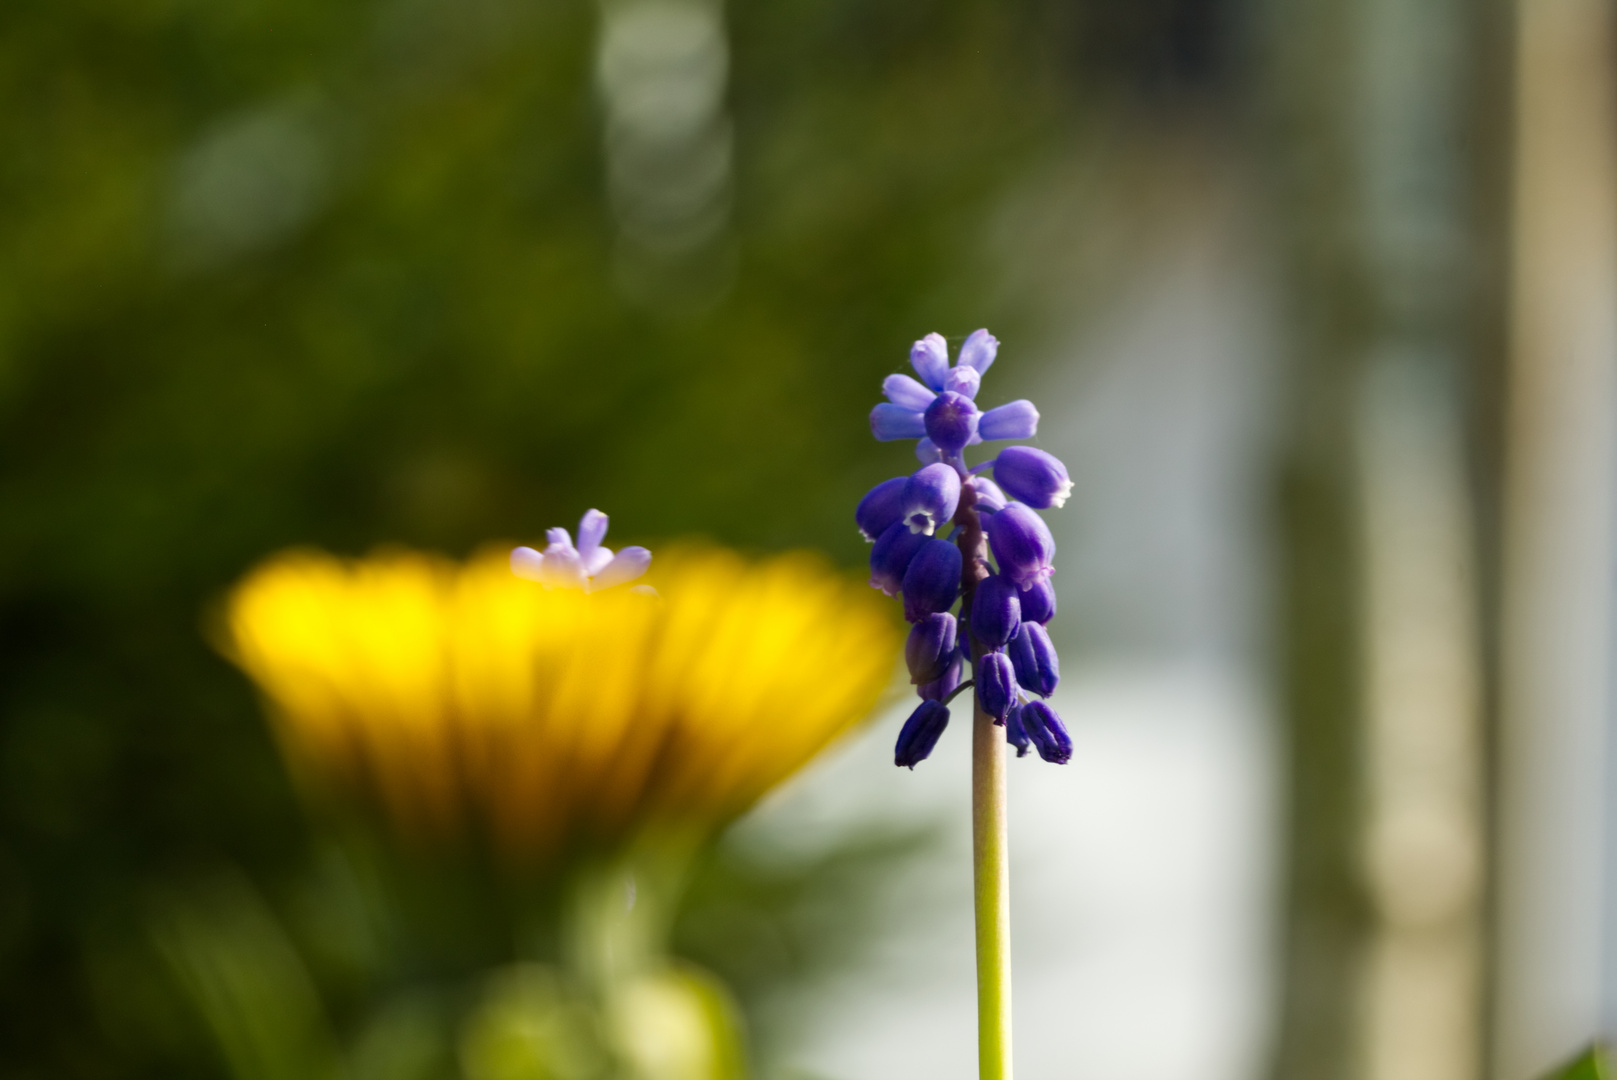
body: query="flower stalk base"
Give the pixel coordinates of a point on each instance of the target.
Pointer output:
(992, 888)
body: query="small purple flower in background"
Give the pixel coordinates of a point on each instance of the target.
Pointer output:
(996, 560)
(589, 566)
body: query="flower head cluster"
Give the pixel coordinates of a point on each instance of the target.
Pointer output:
(996, 559)
(589, 566)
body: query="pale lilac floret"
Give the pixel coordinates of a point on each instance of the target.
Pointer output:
(889, 422)
(906, 393)
(963, 380)
(589, 565)
(930, 358)
(979, 351)
(1016, 420)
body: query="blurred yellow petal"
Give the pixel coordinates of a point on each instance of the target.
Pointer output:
(454, 696)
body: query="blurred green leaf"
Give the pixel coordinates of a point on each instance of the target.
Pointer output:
(229, 953)
(532, 1025)
(1592, 1065)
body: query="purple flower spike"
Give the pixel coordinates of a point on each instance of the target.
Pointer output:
(948, 682)
(1017, 420)
(930, 358)
(889, 422)
(930, 647)
(1015, 733)
(1005, 647)
(890, 558)
(1034, 658)
(979, 351)
(996, 611)
(1034, 477)
(1022, 544)
(932, 582)
(1039, 602)
(963, 380)
(930, 498)
(996, 685)
(1047, 732)
(920, 733)
(950, 421)
(881, 507)
(990, 499)
(906, 393)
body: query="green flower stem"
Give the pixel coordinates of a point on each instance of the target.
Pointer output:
(991, 876)
(992, 886)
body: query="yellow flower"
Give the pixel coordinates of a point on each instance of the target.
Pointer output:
(461, 698)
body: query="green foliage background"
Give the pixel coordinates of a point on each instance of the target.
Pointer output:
(426, 346)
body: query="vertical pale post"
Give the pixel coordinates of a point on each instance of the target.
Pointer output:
(1556, 629)
(992, 887)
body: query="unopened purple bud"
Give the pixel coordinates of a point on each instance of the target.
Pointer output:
(920, 733)
(891, 556)
(1015, 733)
(1015, 420)
(963, 380)
(1038, 669)
(1022, 544)
(947, 683)
(1047, 733)
(979, 351)
(1033, 476)
(930, 647)
(1039, 602)
(889, 422)
(906, 393)
(881, 507)
(927, 451)
(996, 611)
(930, 498)
(932, 582)
(990, 499)
(930, 358)
(950, 421)
(996, 685)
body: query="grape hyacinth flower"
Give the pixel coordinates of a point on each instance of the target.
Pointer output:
(997, 559)
(589, 566)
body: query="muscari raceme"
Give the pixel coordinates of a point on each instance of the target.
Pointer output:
(1003, 586)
